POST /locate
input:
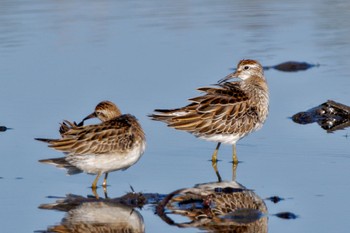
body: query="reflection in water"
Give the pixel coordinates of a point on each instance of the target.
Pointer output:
(331, 116)
(224, 206)
(216, 206)
(95, 215)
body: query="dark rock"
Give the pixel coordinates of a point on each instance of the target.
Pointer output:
(292, 66)
(286, 215)
(330, 116)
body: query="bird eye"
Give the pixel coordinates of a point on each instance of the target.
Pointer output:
(246, 68)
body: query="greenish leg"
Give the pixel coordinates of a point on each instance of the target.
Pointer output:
(234, 154)
(215, 154)
(94, 184)
(94, 192)
(234, 170)
(104, 184)
(214, 164)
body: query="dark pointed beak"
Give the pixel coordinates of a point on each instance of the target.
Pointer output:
(228, 77)
(92, 115)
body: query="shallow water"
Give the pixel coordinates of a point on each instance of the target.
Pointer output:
(58, 59)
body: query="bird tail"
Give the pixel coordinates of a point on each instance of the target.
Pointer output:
(62, 163)
(166, 115)
(44, 140)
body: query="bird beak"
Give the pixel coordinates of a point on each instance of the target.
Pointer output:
(228, 77)
(92, 115)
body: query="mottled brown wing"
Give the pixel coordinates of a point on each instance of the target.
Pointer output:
(220, 110)
(111, 136)
(65, 127)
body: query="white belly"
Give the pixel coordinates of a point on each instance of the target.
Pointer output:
(94, 164)
(112, 215)
(227, 139)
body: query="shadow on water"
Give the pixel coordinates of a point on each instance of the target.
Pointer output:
(223, 206)
(331, 116)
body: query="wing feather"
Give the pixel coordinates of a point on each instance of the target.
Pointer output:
(108, 137)
(221, 109)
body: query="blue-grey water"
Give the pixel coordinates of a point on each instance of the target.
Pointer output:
(58, 59)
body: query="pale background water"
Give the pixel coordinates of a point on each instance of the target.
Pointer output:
(58, 59)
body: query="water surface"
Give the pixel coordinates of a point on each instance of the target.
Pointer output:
(58, 59)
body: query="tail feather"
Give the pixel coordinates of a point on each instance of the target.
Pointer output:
(170, 112)
(59, 162)
(44, 140)
(66, 204)
(166, 115)
(156, 117)
(62, 163)
(63, 144)
(65, 147)
(166, 110)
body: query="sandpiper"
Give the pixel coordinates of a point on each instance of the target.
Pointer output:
(115, 144)
(227, 111)
(215, 207)
(92, 215)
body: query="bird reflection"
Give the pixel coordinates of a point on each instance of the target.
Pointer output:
(216, 170)
(224, 206)
(93, 215)
(331, 116)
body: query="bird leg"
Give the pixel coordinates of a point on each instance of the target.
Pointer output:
(234, 171)
(215, 154)
(214, 164)
(234, 154)
(104, 184)
(94, 184)
(94, 192)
